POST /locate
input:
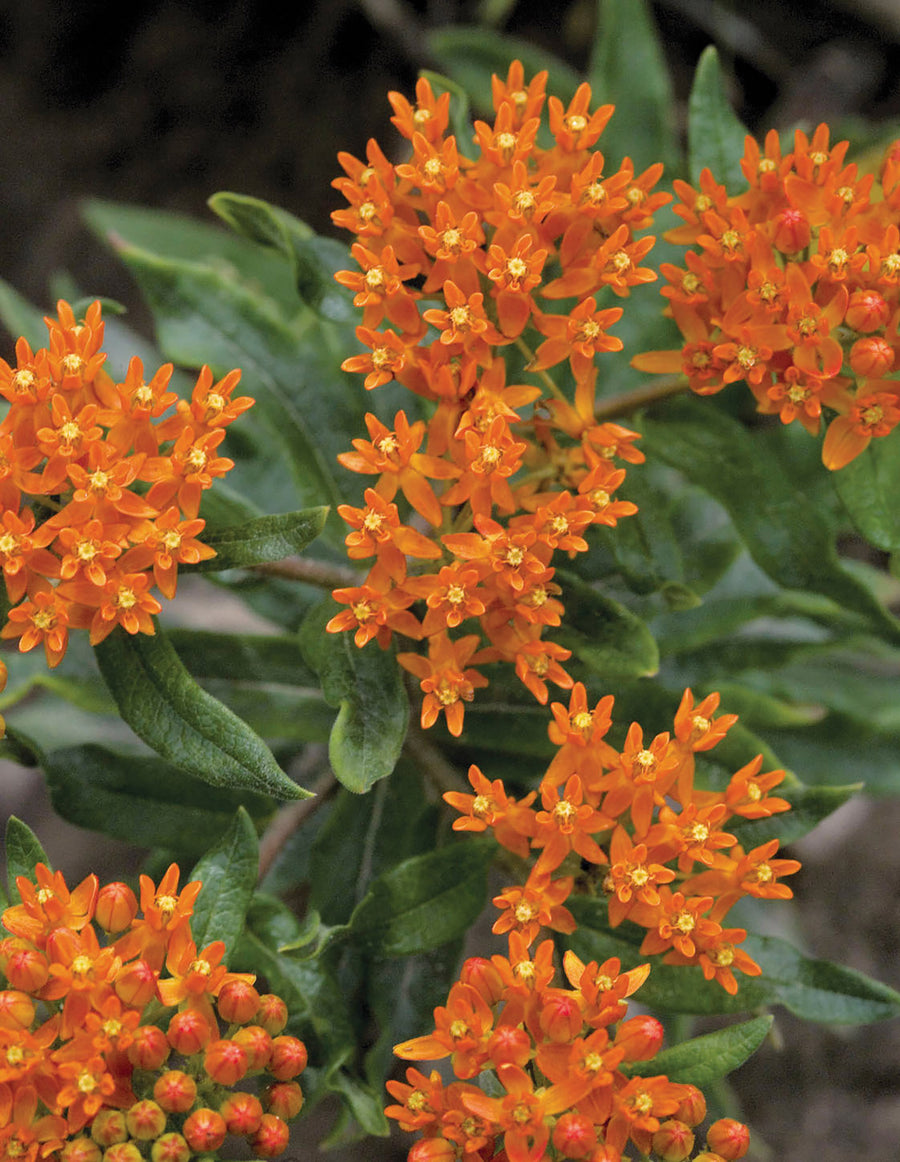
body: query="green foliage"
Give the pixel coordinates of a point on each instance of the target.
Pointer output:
(23, 851)
(228, 874)
(715, 135)
(703, 1060)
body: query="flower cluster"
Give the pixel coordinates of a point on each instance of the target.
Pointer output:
(460, 260)
(794, 288)
(560, 1054)
(99, 489)
(115, 1049)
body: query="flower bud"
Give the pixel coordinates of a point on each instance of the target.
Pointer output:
(122, 1152)
(692, 1109)
(484, 978)
(16, 1008)
(574, 1135)
(561, 1017)
(640, 1037)
(109, 1128)
(145, 1120)
(242, 1113)
(149, 1048)
(135, 984)
(272, 1013)
(436, 1150)
(175, 1091)
(510, 1045)
(237, 1002)
(872, 356)
(285, 1099)
(117, 906)
(791, 231)
(170, 1147)
(271, 1138)
(204, 1129)
(225, 1061)
(256, 1043)
(708, 1156)
(289, 1058)
(25, 968)
(867, 311)
(188, 1032)
(80, 1150)
(673, 1141)
(729, 1138)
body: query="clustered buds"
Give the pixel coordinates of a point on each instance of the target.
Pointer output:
(794, 288)
(461, 259)
(131, 1048)
(99, 488)
(635, 818)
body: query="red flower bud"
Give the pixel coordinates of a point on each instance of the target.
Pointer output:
(288, 1058)
(872, 356)
(271, 1138)
(204, 1130)
(109, 1127)
(272, 1013)
(24, 967)
(122, 1152)
(237, 1002)
(867, 311)
(149, 1049)
(791, 231)
(285, 1099)
(574, 1135)
(510, 1045)
(225, 1061)
(170, 1147)
(673, 1141)
(640, 1037)
(484, 977)
(729, 1138)
(135, 984)
(561, 1017)
(175, 1091)
(692, 1110)
(117, 906)
(256, 1043)
(145, 1120)
(242, 1113)
(188, 1032)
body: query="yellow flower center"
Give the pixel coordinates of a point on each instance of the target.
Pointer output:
(388, 444)
(86, 1083)
(82, 965)
(456, 594)
(98, 481)
(196, 459)
(112, 1027)
(514, 556)
(639, 876)
(15, 1055)
(144, 395)
(564, 812)
(838, 259)
(367, 211)
(731, 240)
(86, 550)
(23, 380)
(818, 157)
(482, 806)
(684, 922)
(524, 203)
(215, 402)
(575, 123)
(125, 597)
(9, 544)
(643, 1103)
(763, 874)
(458, 1029)
(166, 906)
(603, 983)
(362, 611)
(690, 283)
(433, 167)
(461, 318)
(69, 432)
(747, 357)
(73, 363)
(697, 832)
(872, 415)
(446, 693)
(525, 912)
(421, 117)
(374, 279)
(382, 357)
(43, 619)
(516, 269)
(723, 956)
(172, 540)
(200, 966)
(766, 165)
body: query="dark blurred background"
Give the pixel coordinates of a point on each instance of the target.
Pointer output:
(162, 103)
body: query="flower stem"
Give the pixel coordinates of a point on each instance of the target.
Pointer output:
(310, 572)
(641, 397)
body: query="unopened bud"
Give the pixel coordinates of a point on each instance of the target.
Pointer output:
(225, 1061)
(484, 977)
(117, 906)
(16, 1008)
(170, 1147)
(122, 1152)
(289, 1058)
(791, 231)
(149, 1049)
(188, 1032)
(237, 1002)
(272, 1013)
(109, 1128)
(271, 1138)
(510, 1045)
(285, 1099)
(673, 1141)
(135, 984)
(24, 967)
(256, 1043)
(80, 1150)
(692, 1109)
(175, 1091)
(867, 311)
(729, 1138)
(145, 1120)
(204, 1129)
(640, 1037)
(242, 1113)
(574, 1135)
(872, 356)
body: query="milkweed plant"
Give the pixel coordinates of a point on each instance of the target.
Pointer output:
(532, 485)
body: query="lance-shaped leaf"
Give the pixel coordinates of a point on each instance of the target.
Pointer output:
(141, 799)
(366, 686)
(259, 541)
(228, 873)
(869, 486)
(17, 747)
(715, 133)
(703, 1060)
(628, 69)
(166, 708)
(23, 851)
(460, 117)
(425, 901)
(21, 318)
(784, 531)
(607, 637)
(244, 657)
(809, 806)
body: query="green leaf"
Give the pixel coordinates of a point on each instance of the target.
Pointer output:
(868, 487)
(23, 852)
(242, 656)
(470, 55)
(166, 708)
(782, 528)
(425, 901)
(141, 799)
(703, 1060)
(809, 806)
(21, 318)
(607, 637)
(228, 873)
(460, 115)
(715, 133)
(17, 747)
(366, 686)
(628, 69)
(265, 539)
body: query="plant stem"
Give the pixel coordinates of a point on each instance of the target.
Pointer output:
(292, 815)
(641, 397)
(311, 572)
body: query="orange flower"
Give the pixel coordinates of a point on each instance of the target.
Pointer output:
(445, 681)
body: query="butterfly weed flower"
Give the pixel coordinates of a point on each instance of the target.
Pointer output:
(792, 288)
(465, 251)
(137, 1043)
(100, 485)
